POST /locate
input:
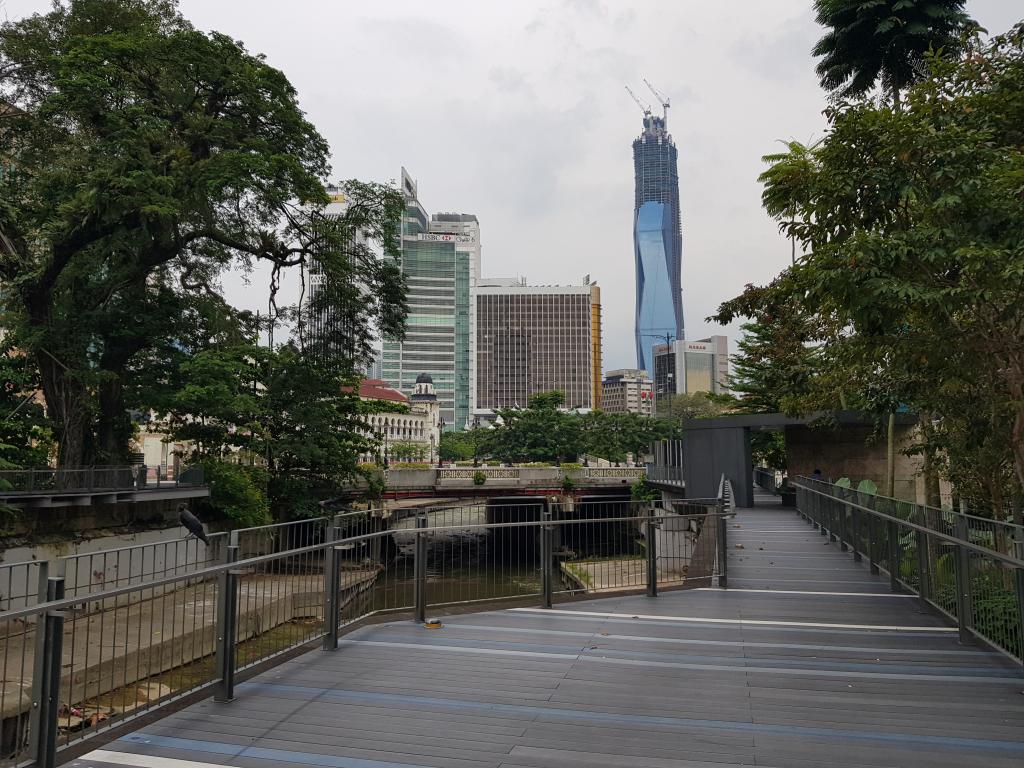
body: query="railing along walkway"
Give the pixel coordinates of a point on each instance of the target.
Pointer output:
(807, 660)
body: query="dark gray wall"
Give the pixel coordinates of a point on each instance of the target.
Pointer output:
(710, 453)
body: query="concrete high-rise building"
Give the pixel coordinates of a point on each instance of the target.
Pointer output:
(628, 391)
(533, 339)
(691, 366)
(657, 239)
(441, 264)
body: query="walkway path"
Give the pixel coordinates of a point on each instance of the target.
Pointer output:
(806, 662)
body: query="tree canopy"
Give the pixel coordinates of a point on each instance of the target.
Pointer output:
(148, 158)
(912, 284)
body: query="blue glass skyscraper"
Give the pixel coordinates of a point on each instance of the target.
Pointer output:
(657, 240)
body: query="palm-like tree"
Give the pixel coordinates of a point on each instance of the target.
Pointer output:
(883, 40)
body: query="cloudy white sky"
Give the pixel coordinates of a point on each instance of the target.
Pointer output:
(516, 111)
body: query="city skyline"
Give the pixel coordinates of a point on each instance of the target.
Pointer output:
(517, 113)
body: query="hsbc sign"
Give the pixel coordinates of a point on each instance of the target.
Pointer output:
(433, 237)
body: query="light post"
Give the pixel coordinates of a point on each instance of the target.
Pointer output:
(440, 431)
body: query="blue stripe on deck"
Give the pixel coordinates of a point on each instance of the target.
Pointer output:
(260, 753)
(605, 717)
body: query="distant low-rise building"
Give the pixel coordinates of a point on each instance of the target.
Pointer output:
(398, 432)
(627, 390)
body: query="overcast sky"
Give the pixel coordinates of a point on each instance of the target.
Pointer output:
(516, 111)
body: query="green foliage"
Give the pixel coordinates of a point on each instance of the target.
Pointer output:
(642, 491)
(568, 484)
(410, 465)
(149, 158)
(910, 289)
(540, 432)
(237, 492)
(463, 445)
(479, 477)
(571, 466)
(408, 452)
(867, 487)
(884, 40)
(25, 433)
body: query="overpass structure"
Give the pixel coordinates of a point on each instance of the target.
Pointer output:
(508, 481)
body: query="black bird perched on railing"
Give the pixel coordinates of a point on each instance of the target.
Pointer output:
(190, 521)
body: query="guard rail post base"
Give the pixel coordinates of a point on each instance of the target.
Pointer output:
(420, 572)
(650, 538)
(46, 684)
(227, 617)
(546, 558)
(332, 591)
(964, 604)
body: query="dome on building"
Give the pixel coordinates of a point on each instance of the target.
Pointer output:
(424, 378)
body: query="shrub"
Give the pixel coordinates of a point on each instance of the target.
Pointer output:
(479, 477)
(571, 466)
(568, 484)
(237, 492)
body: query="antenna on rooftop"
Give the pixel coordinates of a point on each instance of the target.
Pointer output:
(665, 101)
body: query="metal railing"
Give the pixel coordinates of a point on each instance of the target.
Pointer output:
(970, 568)
(766, 478)
(81, 663)
(658, 473)
(90, 479)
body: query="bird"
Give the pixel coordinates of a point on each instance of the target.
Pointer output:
(190, 521)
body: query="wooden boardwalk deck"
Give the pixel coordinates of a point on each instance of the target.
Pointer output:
(806, 661)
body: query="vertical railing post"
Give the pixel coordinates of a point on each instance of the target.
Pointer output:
(46, 680)
(227, 616)
(723, 548)
(420, 572)
(1019, 549)
(872, 544)
(332, 590)
(923, 577)
(894, 555)
(651, 540)
(857, 520)
(964, 602)
(546, 557)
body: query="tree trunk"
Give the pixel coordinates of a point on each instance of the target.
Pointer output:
(67, 404)
(112, 423)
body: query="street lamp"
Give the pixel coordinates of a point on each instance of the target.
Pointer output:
(440, 431)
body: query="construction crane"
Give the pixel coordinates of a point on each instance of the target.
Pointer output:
(646, 108)
(665, 102)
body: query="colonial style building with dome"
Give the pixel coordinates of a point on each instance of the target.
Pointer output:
(412, 436)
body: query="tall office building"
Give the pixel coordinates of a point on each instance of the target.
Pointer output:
(657, 239)
(330, 315)
(441, 263)
(533, 339)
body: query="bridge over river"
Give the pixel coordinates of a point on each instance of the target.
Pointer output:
(808, 658)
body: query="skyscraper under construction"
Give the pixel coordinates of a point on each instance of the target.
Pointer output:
(657, 236)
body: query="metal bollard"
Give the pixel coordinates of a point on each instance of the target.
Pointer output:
(420, 572)
(964, 602)
(651, 541)
(227, 617)
(46, 683)
(546, 558)
(332, 590)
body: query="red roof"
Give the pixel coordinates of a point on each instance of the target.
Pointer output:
(376, 389)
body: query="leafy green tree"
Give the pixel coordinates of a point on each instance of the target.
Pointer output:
(693, 405)
(25, 436)
(884, 41)
(147, 158)
(463, 445)
(540, 432)
(914, 274)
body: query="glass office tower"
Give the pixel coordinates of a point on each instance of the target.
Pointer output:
(657, 240)
(441, 262)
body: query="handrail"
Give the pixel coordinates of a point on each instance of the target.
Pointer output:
(948, 538)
